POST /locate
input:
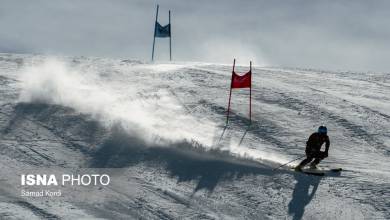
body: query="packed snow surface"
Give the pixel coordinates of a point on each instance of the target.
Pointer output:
(160, 130)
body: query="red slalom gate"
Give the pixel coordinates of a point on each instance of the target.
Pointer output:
(238, 82)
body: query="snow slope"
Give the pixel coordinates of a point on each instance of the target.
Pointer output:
(159, 129)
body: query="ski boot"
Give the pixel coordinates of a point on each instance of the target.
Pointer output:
(298, 168)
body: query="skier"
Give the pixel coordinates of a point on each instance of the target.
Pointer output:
(313, 148)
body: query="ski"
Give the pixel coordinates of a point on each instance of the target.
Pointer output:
(336, 169)
(313, 173)
(319, 172)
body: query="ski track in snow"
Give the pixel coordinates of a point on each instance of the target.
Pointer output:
(162, 128)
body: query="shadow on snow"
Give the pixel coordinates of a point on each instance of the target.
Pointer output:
(303, 193)
(183, 161)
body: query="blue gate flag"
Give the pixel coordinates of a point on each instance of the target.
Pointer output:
(162, 31)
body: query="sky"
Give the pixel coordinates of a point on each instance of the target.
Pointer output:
(322, 34)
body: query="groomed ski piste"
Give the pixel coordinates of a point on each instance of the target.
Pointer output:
(163, 126)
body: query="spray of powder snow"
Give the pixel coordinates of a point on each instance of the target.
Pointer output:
(54, 82)
(154, 113)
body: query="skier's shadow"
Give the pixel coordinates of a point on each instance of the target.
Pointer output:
(303, 194)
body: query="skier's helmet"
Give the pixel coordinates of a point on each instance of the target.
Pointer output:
(322, 130)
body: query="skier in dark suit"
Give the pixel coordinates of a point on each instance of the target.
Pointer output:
(313, 148)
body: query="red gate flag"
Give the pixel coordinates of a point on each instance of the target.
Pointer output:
(243, 81)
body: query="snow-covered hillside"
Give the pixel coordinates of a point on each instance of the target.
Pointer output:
(159, 129)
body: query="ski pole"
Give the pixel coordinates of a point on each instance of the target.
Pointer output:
(289, 162)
